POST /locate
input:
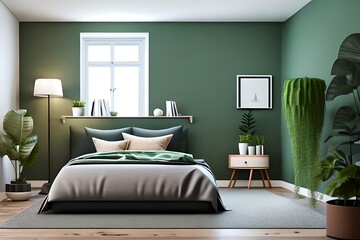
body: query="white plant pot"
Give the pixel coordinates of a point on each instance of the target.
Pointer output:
(259, 150)
(18, 191)
(78, 111)
(251, 150)
(243, 148)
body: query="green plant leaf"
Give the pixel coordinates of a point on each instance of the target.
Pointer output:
(346, 184)
(350, 70)
(18, 125)
(345, 115)
(342, 67)
(350, 48)
(78, 103)
(345, 123)
(338, 86)
(8, 147)
(324, 169)
(27, 150)
(247, 123)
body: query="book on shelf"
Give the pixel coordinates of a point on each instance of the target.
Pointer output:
(171, 109)
(100, 107)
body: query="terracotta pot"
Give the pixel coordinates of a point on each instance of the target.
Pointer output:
(342, 221)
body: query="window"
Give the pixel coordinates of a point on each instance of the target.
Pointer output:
(114, 66)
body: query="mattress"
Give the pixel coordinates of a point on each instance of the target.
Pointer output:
(98, 181)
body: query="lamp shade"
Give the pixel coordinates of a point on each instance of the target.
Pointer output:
(45, 87)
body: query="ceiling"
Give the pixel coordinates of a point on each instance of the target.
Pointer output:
(154, 10)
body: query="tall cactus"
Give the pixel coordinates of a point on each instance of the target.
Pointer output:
(304, 107)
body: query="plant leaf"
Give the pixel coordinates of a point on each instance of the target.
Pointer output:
(18, 125)
(338, 86)
(344, 114)
(350, 48)
(26, 149)
(341, 67)
(7, 147)
(346, 184)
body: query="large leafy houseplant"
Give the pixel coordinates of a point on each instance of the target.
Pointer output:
(304, 107)
(340, 167)
(340, 164)
(18, 143)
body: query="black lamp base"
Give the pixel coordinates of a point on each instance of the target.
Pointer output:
(45, 188)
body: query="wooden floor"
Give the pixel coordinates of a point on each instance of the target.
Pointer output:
(9, 209)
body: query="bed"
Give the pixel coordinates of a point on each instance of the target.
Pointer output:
(132, 170)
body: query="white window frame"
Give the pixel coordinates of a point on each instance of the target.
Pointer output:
(144, 78)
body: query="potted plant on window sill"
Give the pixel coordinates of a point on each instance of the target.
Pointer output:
(22, 149)
(340, 168)
(78, 108)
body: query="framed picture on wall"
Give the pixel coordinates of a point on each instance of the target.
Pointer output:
(254, 91)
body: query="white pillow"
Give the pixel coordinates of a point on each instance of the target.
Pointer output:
(147, 143)
(103, 145)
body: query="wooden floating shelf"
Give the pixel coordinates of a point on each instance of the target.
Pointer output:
(63, 118)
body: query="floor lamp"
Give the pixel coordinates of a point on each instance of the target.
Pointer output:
(48, 87)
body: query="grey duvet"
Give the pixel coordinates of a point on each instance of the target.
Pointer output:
(116, 177)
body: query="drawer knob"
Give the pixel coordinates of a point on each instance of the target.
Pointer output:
(245, 162)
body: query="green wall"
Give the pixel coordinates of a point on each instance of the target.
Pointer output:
(310, 43)
(194, 64)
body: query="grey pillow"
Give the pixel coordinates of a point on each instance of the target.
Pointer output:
(176, 142)
(108, 135)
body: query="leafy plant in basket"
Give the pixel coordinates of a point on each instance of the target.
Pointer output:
(339, 165)
(18, 143)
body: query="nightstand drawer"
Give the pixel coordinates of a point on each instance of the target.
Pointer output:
(247, 161)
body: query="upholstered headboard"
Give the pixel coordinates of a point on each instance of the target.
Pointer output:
(81, 137)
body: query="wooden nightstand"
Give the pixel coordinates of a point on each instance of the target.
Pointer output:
(249, 162)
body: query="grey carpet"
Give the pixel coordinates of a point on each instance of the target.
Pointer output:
(250, 208)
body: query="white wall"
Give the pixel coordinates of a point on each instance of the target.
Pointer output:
(9, 77)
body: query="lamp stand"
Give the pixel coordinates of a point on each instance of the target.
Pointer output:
(46, 186)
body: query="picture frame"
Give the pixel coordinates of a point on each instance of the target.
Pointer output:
(254, 91)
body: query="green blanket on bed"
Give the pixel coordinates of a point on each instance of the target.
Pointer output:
(134, 157)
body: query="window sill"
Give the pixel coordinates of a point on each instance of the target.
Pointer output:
(63, 118)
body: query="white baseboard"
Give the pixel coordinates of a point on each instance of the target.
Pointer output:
(276, 183)
(37, 183)
(244, 183)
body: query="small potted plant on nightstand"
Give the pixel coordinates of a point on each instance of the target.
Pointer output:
(259, 141)
(78, 108)
(245, 139)
(247, 128)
